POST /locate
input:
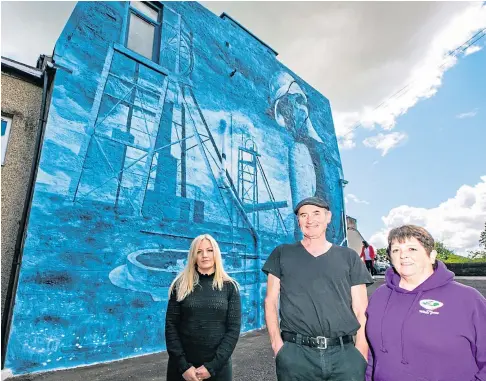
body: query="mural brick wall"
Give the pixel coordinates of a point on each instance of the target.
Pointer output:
(169, 122)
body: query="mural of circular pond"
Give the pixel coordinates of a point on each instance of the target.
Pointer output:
(148, 270)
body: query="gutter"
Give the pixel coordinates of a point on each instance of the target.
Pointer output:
(48, 76)
(19, 70)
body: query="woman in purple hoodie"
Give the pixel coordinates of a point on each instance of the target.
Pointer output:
(422, 325)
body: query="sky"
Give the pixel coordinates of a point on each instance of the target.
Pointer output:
(408, 98)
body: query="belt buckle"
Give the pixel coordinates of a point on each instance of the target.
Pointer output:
(320, 340)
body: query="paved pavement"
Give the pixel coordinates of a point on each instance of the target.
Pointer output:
(252, 360)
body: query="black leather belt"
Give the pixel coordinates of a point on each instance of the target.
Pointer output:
(319, 342)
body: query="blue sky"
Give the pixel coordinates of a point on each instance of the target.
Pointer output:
(442, 151)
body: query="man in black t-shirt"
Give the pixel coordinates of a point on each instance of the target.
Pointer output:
(320, 290)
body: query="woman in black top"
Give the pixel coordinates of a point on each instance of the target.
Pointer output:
(203, 318)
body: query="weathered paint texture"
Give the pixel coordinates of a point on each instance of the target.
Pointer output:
(216, 136)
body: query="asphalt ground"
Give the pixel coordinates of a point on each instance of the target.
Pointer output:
(252, 359)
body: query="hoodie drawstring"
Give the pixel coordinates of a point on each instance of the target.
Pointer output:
(404, 358)
(383, 349)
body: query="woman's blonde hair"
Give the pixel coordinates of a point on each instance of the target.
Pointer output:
(188, 278)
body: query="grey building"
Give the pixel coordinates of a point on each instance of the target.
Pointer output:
(24, 99)
(355, 239)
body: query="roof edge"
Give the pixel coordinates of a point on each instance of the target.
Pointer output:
(17, 68)
(224, 15)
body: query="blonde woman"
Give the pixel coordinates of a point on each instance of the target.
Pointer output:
(203, 318)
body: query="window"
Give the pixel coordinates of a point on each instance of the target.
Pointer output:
(144, 25)
(6, 123)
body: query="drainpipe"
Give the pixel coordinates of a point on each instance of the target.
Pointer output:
(343, 183)
(48, 75)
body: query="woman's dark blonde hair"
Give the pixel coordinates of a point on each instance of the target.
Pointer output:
(185, 282)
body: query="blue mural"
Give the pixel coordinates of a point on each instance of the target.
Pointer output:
(166, 122)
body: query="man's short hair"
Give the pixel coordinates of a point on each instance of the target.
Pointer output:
(404, 232)
(316, 201)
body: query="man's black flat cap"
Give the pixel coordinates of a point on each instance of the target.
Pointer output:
(312, 201)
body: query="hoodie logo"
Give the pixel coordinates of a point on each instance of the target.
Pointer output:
(430, 306)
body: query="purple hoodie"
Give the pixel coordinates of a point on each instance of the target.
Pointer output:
(436, 332)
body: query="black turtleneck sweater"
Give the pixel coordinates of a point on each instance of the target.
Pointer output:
(203, 328)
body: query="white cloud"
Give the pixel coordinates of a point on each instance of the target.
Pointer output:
(472, 49)
(457, 221)
(32, 28)
(357, 54)
(424, 77)
(354, 198)
(347, 143)
(360, 54)
(469, 114)
(385, 142)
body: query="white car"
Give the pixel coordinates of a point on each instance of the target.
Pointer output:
(380, 267)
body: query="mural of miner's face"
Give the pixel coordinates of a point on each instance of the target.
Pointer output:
(289, 104)
(292, 107)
